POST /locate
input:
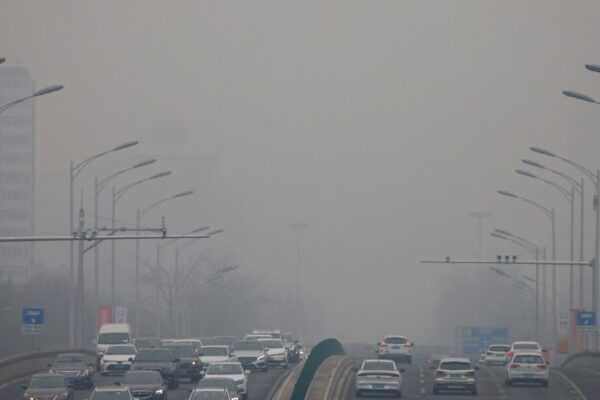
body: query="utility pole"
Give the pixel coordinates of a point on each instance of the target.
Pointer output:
(299, 227)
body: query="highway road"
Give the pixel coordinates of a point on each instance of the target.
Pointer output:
(565, 384)
(259, 385)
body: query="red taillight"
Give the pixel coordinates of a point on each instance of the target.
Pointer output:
(542, 366)
(408, 345)
(441, 373)
(382, 344)
(515, 366)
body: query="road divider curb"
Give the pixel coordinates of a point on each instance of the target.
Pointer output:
(283, 388)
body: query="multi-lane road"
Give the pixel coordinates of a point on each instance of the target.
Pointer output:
(259, 385)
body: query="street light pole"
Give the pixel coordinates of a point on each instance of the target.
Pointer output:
(74, 171)
(46, 90)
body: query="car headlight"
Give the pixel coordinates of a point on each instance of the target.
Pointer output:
(260, 358)
(194, 363)
(159, 392)
(29, 397)
(239, 381)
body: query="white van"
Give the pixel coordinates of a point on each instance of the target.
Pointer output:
(110, 334)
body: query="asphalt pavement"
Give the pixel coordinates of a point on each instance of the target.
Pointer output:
(259, 385)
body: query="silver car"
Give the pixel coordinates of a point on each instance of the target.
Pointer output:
(379, 377)
(455, 374)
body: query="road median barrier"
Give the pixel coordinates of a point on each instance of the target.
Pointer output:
(22, 365)
(586, 359)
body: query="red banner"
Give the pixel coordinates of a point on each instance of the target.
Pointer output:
(103, 316)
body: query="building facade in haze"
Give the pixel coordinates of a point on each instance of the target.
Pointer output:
(17, 170)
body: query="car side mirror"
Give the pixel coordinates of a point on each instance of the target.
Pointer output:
(232, 354)
(544, 350)
(547, 363)
(130, 359)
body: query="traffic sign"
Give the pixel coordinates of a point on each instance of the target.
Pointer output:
(586, 319)
(32, 329)
(32, 316)
(475, 340)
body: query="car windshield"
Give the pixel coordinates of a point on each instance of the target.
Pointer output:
(209, 341)
(395, 340)
(120, 350)
(504, 349)
(141, 343)
(214, 351)
(273, 344)
(113, 338)
(47, 382)
(142, 377)
(212, 395)
(526, 346)
(183, 351)
(228, 384)
(250, 345)
(455, 366)
(69, 360)
(154, 355)
(379, 366)
(225, 369)
(112, 395)
(528, 359)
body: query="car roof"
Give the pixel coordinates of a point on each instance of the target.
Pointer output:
(205, 389)
(115, 388)
(226, 362)
(499, 344)
(527, 353)
(524, 342)
(455, 359)
(220, 346)
(394, 336)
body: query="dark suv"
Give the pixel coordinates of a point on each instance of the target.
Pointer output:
(161, 360)
(189, 365)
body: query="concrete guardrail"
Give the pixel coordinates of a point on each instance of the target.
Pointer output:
(22, 365)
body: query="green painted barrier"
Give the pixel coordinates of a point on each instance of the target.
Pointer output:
(319, 353)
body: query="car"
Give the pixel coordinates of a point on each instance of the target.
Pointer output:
(147, 343)
(434, 360)
(455, 374)
(378, 377)
(395, 348)
(209, 394)
(73, 365)
(117, 359)
(146, 385)
(213, 354)
(110, 334)
(195, 343)
(116, 392)
(276, 352)
(160, 360)
(527, 367)
(188, 365)
(524, 346)
(496, 354)
(251, 354)
(48, 386)
(233, 370)
(227, 383)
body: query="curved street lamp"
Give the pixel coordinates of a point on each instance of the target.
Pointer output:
(41, 92)
(579, 96)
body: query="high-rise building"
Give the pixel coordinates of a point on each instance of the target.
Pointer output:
(17, 170)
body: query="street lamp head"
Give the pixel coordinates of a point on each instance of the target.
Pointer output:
(592, 67)
(578, 96)
(204, 228)
(503, 232)
(144, 163)
(215, 232)
(542, 151)
(497, 235)
(500, 272)
(228, 269)
(125, 145)
(49, 89)
(2, 59)
(183, 194)
(505, 193)
(160, 175)
(533, 164)
(526, 173)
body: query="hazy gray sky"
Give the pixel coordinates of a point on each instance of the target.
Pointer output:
(381, 124)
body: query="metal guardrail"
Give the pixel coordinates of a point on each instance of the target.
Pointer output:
(22, 365)
(580, 356)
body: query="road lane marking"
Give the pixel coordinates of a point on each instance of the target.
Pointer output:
(570, 382)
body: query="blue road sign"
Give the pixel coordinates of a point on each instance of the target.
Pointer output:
(586, 318)
(476, 340)
(32, 316)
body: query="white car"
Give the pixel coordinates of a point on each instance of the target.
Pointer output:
(276, 352)
(527, 367)
(379, 377)
(117, 359)
(214, 354)
(524, 346)
(232, 370)
(496, 354)
(455, 374)
(395, 348)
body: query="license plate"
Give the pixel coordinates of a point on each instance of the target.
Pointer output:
(456, 377)
(528, 375)
(395, 347)
(378, 386)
